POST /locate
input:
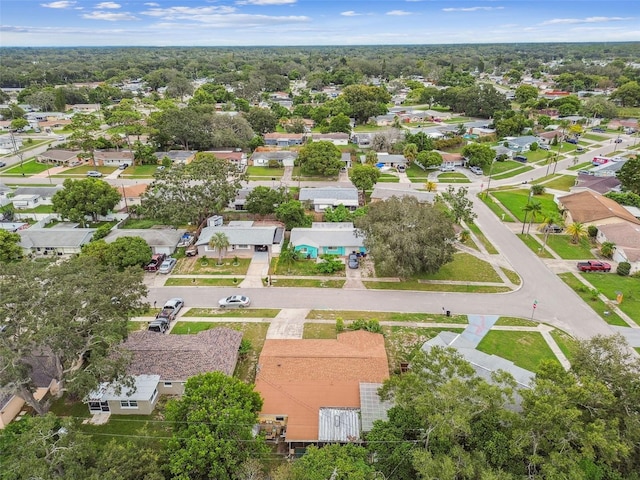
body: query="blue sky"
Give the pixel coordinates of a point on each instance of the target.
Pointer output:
(313, 22)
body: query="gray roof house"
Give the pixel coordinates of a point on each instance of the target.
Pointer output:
(177, 156)
(54, 241)
(161, 364)
(382, 193)
(326, 238)
(60, 157)
(283, 157)
(521, 144)
(323, 197)
(161, 240)
(31, 197)
(244, 238)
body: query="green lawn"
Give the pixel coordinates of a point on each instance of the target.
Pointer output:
(534, 245)
(516, 322)
(516, 200)
(465, 267)
(368, 128)
(388, 178)
(609, 284)
(512, 276)
(139, 171)
(512, 173)
(38, 209)
(238, 313)
(305, 268)
(319, 331)
(453, 178)
(29, 167)
(561, 244)
(495, 208)
(502, 167)
(203, 282)
(592, 300)
(566, 342)
(298, 175)
(525, 349)
(537, 155)
(350, 315)
(209, 266)
(306, 282)
(433, 287)
(559, 182)
(253, 171)
(416, 174)
(581, 166)
(594, 137)
(484, 240)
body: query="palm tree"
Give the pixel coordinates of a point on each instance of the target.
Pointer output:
(534, 208)
(607, 248)
(577, 231)
(220, 242)
(288, 255)
(546, 226)
(430, 186)
(410, 152)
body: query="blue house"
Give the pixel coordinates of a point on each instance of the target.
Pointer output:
(326, 238)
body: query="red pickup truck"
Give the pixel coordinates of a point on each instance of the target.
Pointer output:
(594, 266)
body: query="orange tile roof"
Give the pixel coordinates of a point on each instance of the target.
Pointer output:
(134, 191)
(297, 377)
(589, 207)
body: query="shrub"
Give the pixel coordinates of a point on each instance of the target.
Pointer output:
(339, 325)
(368, 325)
(623, 269)
(592, 231)
(533, 147)
(502, 157)
(245, 348)
(537, 189)
(274, 164)
(101, 232)
(330, 264)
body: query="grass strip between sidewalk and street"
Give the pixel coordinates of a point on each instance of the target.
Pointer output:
(534, 245)
(609, 284)
(484, 240)
(202, 282)
(306, 283)
(349, 315)
(239, 313)
(434, 287)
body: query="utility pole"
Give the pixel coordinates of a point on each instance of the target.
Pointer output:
(18, 152)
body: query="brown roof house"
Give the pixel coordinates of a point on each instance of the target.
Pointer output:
(161, 364)
(318, 391)
(591, 208)
(626, 237)
(60, 157)
(110, 158)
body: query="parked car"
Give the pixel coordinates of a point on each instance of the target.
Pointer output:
(477, 170)
(191, 251)
(159, 325)
(94, 174)
(156, 261)
(353, 260)
(521, 158)
(123, 166)
(239, 301)
(171, 309)
(618, 140)
(544, 146)
(573, 141)
(553, 229)
(2, 164)
(401, 168)
(594, 266)
(447, 168)
(167, 265)
(580, 149)
(598, 129)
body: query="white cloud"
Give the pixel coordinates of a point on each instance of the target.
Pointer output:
(234, 21)
(398, 13)
(108, 16)
(470, 9)
(570, 21)
(266, 2)
(350, 13)
(60, 4)
(151, 4)
(108, 6)
(171, 13)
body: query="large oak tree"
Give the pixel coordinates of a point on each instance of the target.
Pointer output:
(82, 198)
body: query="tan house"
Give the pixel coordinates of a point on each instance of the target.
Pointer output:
(312, 389)
(60, 157)
(109, 158)
(626, 237)
(161, 365)
(591, 208)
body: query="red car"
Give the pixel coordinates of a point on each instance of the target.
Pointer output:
(156, 261)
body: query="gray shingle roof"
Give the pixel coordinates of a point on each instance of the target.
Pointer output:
(178, 357)
(381, 193)
(155, 237)
(321, 193)
(55, 237)
(240, 235)
(325, 237)
(44, 192)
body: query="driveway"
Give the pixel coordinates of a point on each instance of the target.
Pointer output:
(258, 269)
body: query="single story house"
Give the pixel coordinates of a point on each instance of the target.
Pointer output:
(279, 139)
(329, 238)
(84, 107)
(161, 240)
(11, 405)
(177, 156)
(13, 226)
(110, 158)
(238, 158)
(131, 195)
(384, 193)
(599, 185)
(591, 208)
(385, 120)
(626, 237)
(389, 160)
(240, 200)
(335, 138)
(285, 158)
(244, 238)
(60, 157)
(547, 137)
(314, 387)
(161, 364)
(363, 140)
(31, 197)
(322, 197)
(455, 159)
(54, 241)
(521, 144)
(502, 150)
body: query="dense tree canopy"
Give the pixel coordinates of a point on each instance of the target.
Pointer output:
(80, 306)
(264, 200)
(629, 175)
(10, 249)
(88, 197)
(406, 237)
(364, 176)
(366, 101)
(322, 158)
(479, 154)
(212, 424)
(121, 253)
(192, 193)
(292, 214)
